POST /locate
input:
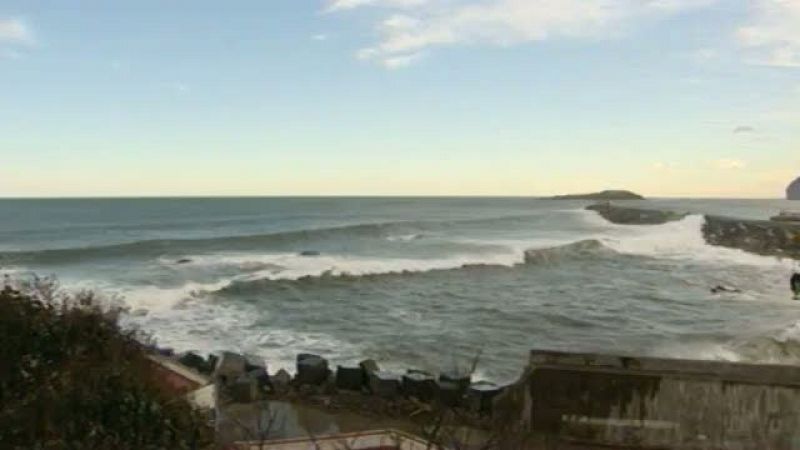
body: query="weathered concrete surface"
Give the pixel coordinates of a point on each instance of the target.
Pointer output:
(634, 216)
(763, 237)
(627, 402)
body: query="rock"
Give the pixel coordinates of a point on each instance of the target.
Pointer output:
(230, 366)
(243, 390)
(635, 216)
(449, 393)
(183, 261)
(481, 395)
(369, 366)
(793, 191)
(253, 362)
(463, 381)
(309, 253)
(196, 362)
(384, 384)
(311, 369)
(350, 378)
(211, 363)
(262, 379)
(725, 289)
(420, 385)
(281, 381)
(165, 351)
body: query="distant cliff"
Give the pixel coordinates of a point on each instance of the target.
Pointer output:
(793, 191)
(603, 195)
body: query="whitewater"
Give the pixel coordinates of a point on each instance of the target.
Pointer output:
(423, 283)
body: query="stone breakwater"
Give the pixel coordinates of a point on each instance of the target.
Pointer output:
(763, 237)
(364, 388)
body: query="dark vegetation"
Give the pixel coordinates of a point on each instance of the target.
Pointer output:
(72, 378)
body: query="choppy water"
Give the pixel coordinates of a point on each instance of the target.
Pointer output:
(422, 283)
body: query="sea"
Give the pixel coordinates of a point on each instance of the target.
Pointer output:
(423, 283)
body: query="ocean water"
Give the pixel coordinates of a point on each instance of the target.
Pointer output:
(422, 283)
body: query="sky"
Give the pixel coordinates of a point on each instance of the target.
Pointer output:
(669, 98)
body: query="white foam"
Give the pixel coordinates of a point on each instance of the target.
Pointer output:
(291, 266)
(681, 239)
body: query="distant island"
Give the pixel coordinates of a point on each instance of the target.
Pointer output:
(603, 195)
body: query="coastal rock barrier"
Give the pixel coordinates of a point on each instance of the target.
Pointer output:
(763, 237)
(243, 379)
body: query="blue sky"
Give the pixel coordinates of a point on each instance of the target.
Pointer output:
(399, 97)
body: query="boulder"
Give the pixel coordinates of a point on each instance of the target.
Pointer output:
(196, 362)
(384, 384)
(281, 381)
(420, 385)
(449, 393)
(262, 378)
(311, 369)
(243, 390)
(350, 378)
(369, 366)
(462, 380)
(165, 351)
(253, 362)
(309, 253)
(230, 366)
(481, 395)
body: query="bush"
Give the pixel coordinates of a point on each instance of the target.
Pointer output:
(71, 377)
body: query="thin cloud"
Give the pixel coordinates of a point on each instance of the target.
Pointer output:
(772, 36)
(729, 164)
(744, 129)
(338, 5)
(15, 31)
(320, 37)
(416, 26)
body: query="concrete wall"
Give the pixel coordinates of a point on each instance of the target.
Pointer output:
(657, 403)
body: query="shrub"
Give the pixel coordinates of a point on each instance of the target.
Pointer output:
(72, 377)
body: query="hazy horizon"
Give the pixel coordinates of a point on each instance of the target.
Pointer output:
(667, 98)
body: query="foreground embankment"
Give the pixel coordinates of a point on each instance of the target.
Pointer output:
(581, 400)
(763, 237)
(648, 403)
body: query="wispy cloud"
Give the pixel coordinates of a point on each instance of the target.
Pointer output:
(15, 31)
(320, 37)
(743, 129)
(729, 164)
(772, 36)
(338, 5)
(415, 26)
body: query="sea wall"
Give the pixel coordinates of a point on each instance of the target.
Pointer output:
(627, 402)
(763, 237)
